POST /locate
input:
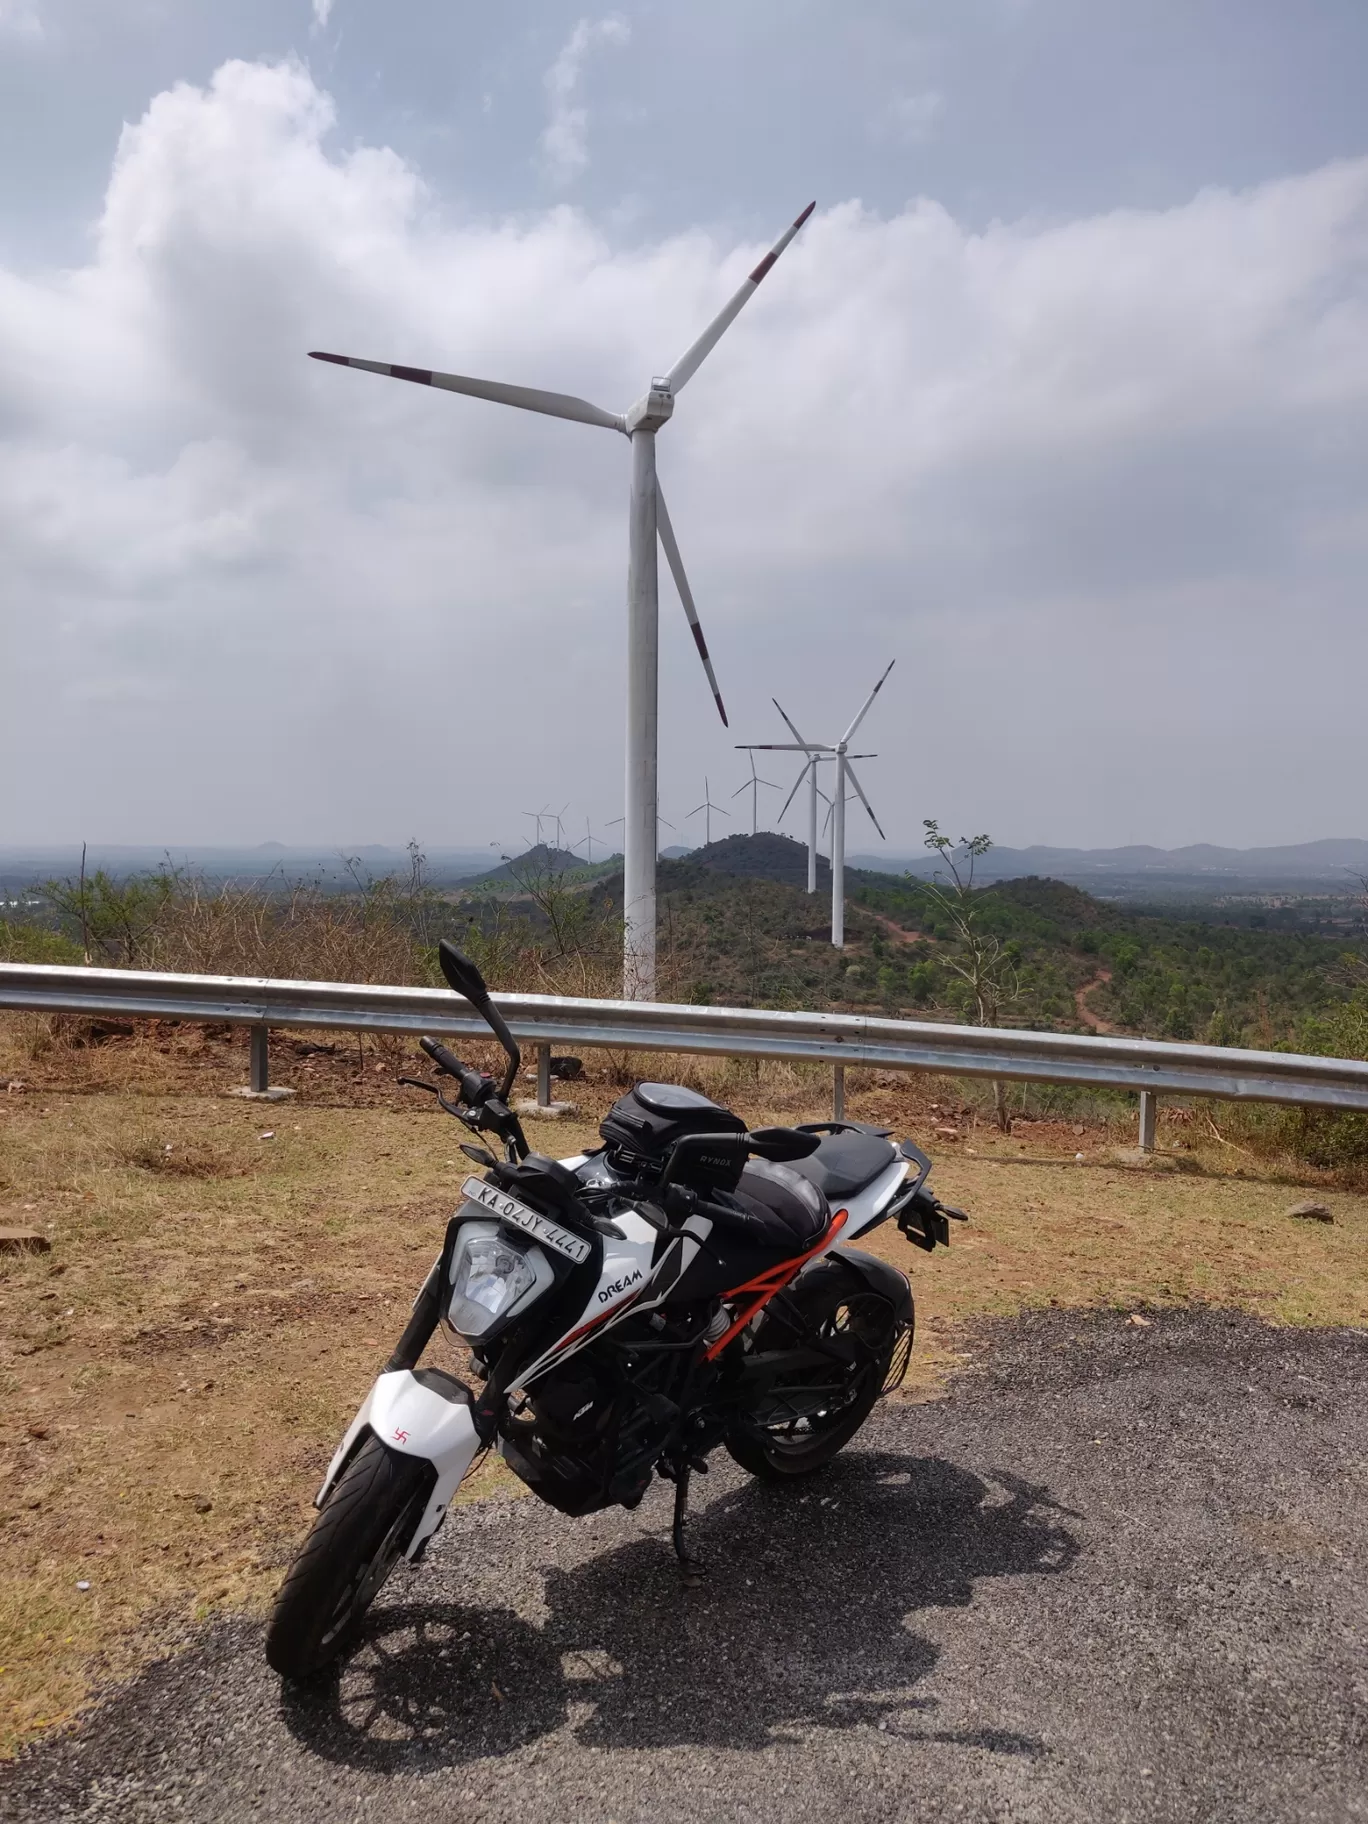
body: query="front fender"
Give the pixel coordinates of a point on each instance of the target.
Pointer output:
(422, 1412)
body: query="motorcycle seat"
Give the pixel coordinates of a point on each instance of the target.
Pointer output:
(776, 1209)
(846, 1162)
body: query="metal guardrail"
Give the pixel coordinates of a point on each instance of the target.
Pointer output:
(1151, 1067)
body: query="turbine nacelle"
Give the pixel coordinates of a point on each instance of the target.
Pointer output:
(650, 411)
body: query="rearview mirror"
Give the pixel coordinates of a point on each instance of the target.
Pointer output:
(461, 973)
(465, 978)
(780, 1144)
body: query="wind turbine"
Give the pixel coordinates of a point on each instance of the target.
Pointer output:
(588, 843)
(707, 807)
(538, 817)
(839, 751)
(647, 520)
(752, 786)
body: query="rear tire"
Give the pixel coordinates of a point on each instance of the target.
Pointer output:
(356, 1541)
(832, 1301)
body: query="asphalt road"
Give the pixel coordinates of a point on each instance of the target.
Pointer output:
(1120, 1573)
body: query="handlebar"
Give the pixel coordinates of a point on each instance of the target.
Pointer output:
(473, 1086)
(439, 1054)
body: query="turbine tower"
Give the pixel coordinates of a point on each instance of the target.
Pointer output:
(647, 521)
(815, 752)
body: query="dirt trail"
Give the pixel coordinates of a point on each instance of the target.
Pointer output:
(1085, 1013)
(906, 937)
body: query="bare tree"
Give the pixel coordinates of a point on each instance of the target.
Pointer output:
(979, 959)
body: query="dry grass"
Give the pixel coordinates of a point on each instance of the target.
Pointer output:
(173, 1375)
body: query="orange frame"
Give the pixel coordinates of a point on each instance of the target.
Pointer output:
(773, 1280)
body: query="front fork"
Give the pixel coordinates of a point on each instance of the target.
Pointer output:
(421, 1412)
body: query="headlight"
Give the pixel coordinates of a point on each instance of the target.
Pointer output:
(490, 1277)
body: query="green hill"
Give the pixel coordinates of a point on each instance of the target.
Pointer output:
(737, 927)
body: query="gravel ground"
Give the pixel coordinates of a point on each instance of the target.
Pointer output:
(1120, 1573)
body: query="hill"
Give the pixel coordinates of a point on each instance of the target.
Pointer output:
(737, 927)
(1137, 871)
(540, 861)
(764, 857)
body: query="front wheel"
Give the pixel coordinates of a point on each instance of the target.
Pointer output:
(809, 1414)
(356, 1541)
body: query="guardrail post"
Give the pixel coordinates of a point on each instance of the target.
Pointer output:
(1149, 1119)
(838, 1092)
(261, 1060)
(544, 1075)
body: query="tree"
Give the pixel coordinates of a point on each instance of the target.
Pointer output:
(984, 964)
(114, 921)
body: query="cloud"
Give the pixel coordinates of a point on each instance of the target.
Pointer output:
(564, 143)
(21, 17)
(914, 118)
(1098, 484)
(322, 12)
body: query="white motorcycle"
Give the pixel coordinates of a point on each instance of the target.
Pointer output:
(688, 1284)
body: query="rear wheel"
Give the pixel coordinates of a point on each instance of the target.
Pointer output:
(354, 1544)
(812, 1413)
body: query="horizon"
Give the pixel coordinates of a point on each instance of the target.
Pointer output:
(490, 850)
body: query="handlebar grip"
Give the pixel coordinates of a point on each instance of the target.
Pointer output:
(447, 1060)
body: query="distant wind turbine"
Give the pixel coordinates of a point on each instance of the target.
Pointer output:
(589, 840)
(648, 521)
(708, 807)
(752, 786)
(839, 751)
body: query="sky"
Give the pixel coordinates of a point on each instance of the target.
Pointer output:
(1060, 401)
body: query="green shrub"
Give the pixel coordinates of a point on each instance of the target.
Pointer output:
(26, 943)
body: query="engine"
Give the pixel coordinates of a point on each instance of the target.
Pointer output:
(588, 1434)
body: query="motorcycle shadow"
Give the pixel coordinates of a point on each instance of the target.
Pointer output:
(803, 1619)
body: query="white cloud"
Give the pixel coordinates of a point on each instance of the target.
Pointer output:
(322, 12)
(21, 17)
(565, 141)
(1098, 484)
(915, 118)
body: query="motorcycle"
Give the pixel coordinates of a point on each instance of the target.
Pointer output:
(686, 1285)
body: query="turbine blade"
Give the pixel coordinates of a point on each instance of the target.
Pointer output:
(789, 747)
(528, 398)
(792, 730)
(741, 788)
(794, 793)
(694, 356)
(868, 700)
(676, 563)
(850, 774)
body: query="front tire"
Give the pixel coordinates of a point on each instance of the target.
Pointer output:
(827, 1301)
(354, 1544)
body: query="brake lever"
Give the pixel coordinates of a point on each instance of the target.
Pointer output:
(418, 1083)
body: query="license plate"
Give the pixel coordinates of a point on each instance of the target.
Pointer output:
(531, 1222)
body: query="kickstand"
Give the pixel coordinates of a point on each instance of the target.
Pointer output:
(689, 1568)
